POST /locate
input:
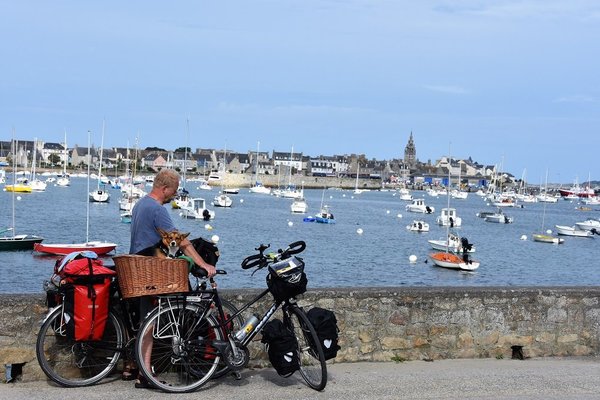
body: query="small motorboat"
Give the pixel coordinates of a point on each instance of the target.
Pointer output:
(574, 231)
(419, 206)
(325, 216)
(100, 248)
(418, 226)
(452, 261)
(545, 238)
(498, 217)
(453, 244)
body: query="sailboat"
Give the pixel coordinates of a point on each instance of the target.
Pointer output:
(98, 247)
(356, 189)
(325, 216)
(36, 184)
(100, 195)
(183, 196)
(546, 237)
(222, 200)
(258, 187)
(291, 192)
(16, 242)
(63, 180)
(446, 259)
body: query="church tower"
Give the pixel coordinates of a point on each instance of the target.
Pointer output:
(410, 153)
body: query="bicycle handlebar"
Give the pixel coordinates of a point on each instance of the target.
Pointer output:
(260, 260)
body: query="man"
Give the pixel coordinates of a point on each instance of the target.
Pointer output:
(149, 214)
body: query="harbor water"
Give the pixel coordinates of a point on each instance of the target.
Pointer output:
(368, 245)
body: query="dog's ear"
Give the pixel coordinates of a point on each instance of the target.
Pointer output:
(184, 235)
(161, 232)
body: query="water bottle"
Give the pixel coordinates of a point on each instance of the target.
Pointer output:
(247, 328)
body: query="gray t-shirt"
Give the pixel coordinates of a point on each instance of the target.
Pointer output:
(147, 215)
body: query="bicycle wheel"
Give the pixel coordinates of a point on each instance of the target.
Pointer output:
(236, 323)
(177, 340)
(78, 363)
(312, 360)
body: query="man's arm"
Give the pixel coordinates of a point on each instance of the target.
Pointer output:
(189, 250)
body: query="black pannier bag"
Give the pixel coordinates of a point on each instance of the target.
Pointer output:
(325, 325)
(207, 250)
(287, 279)
(282, 347)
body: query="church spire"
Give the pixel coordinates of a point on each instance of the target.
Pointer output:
(410, 152)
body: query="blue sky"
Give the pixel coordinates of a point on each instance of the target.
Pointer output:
(512, 82)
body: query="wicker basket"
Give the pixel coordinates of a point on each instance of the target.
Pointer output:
(145, 276)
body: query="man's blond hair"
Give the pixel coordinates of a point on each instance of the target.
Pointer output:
(166, 177)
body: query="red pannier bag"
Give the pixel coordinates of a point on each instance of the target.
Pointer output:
(86, 284)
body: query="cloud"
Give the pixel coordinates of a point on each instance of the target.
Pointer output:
(577, 98)
(581, 9)
(447, 89)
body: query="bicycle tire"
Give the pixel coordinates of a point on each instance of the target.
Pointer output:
(181, 358)
(237, 323)
(313, 367)
(73, 363)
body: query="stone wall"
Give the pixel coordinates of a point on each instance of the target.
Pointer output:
(381, 324)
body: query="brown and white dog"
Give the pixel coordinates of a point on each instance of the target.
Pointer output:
(168, 247)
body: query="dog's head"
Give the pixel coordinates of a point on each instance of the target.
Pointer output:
(171, 240)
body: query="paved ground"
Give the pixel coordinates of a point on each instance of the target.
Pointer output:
(550, 378)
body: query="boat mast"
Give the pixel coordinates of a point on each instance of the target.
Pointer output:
(187, 139)
(256, 164)
(87, 214)
(100, 167)
(448, 201)
(14, 153)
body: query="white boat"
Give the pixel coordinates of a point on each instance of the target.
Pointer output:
(418, 226)
(418, 206)
(453, 244)
(36, 184)
(591, 200)
(546, 198)
(63, 179)
(204, 185)
(589, 224)
(258, 187)
(498, 217)
(222, 200)
(546, 237)
(405, 195)
(448, 217)
(459, 194)
(299, 206)
(447, 259)
(356, 189)
(195, 208)
(573, 231)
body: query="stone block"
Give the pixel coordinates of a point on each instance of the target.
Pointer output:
(395, 343)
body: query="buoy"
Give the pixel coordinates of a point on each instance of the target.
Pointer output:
(387, 212)
(330, 197)
(208, 227)
(412, 259)
(241, 200)
(19, 198)
(290, 223)
(524, 237)
(399, 215)
(214, 238)
(549, 231)
(359, 231)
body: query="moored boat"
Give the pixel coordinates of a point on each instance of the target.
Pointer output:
(452, 261)
(98, 247)
(418, 226)
(573, 231)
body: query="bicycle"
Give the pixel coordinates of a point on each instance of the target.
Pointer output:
(73, 363)
(190, 334)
